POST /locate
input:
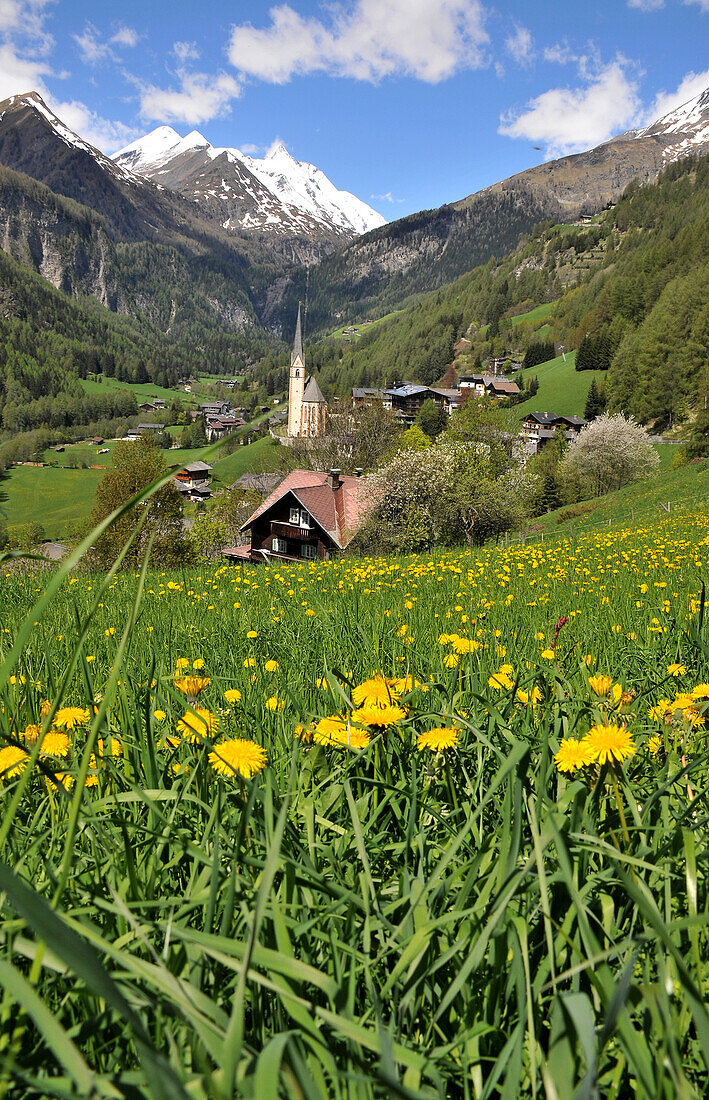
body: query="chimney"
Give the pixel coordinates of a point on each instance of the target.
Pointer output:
(333, 479)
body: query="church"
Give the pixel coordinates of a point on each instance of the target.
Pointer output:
(307, 407)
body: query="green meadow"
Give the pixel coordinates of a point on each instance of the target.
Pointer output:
(422, 827)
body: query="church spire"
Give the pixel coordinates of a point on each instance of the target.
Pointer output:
(298, 341)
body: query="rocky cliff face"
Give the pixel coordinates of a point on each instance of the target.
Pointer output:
(70, 250)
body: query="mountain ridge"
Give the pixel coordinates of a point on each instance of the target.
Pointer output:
(278, 179)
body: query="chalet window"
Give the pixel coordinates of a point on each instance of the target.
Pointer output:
(308, 550)
(279, 546)
(300, 517)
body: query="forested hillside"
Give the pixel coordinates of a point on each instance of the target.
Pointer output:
(49, 341)
(635, 284)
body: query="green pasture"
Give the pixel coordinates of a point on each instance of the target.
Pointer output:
(534, 316)
(338, 333)
(684, 490)
(143, 391)
(562, 389)
(56, 498)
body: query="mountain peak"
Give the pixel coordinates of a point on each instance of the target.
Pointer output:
(278, 151)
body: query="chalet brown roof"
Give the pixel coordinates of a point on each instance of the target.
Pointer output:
(339, 512)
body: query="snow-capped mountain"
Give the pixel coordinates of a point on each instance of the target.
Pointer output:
(684, 130)
(279, 192)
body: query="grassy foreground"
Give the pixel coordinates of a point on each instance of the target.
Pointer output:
(438, 883)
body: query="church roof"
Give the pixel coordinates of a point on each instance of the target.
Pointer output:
(313, 393)
(297, 341)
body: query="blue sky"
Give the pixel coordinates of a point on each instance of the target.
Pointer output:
(407, 103)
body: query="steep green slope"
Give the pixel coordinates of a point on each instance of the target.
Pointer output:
(638, 280)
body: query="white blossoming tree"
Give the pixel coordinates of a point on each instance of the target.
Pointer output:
(610, 452)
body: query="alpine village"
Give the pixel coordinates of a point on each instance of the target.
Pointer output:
(354, 698)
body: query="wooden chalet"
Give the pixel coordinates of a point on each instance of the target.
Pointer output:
(310, 516)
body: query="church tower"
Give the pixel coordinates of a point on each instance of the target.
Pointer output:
(296, 384)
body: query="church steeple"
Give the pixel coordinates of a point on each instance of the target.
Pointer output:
(297, 351)
(306, 404)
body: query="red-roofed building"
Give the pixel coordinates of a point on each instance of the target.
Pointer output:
(311, 515)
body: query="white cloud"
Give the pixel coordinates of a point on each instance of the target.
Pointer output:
(646, 5)
(386, 197)
(106, 135)
(692, 85)
(126, 37)
(560, 54)
(427, 39)
(24, 67)
(568, 120)
(93, 48)
(19, 74)
(520, 46)
(199, 98)
(703, 4)
(185, 51)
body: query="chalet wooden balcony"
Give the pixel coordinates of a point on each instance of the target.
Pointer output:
(290, 531)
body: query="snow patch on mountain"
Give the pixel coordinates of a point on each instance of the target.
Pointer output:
(685, 129)
(293, 183)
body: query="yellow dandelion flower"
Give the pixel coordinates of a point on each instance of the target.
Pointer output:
(548, 654)
(192, 685)
(600, 685)
(444, 639)
(466, 645)
(181, 662)
(249, 662)
(112, 747)
(371, 715)
(303, 733)
(451, 660)
(701, 691)
(274, 703)
(500, 680)
(338, 731)
(69, 717)
(438, 739)
(573, 754)
(238, 757)
(529, 698)
(55, 743)
(654, 745)
(195, 727)
(30, 734)
(376, 690)
(252, 634)
(309, 611)
(609, 743)
(676, 670)
(13, 761)
(198, 664)
(159, 715)
(404, 684)
(271, 666)
(232, 695)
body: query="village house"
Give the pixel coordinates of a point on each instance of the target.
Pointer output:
(193, 481)
(489, 385)
(215, 408)
(539, 428)
(143, 429)
(310, 516)
(257, 483)
(219, 427)
(367, 395)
